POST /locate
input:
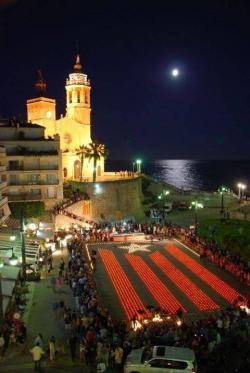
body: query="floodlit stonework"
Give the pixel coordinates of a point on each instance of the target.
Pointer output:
(74, 128)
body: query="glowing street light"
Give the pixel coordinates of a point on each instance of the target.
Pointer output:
(222, 190)
(138, 165)
(13, 259)
(196, 206)
(162, 197)
(241, 188)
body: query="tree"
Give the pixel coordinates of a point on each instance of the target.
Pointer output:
(95, 151)
(81, 151)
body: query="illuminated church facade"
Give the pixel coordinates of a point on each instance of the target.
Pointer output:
(74, 128)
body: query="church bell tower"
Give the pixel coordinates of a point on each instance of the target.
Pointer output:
(78, 95)
(41, 108)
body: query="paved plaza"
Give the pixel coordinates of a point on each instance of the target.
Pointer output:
(39, 317)
(171, 269)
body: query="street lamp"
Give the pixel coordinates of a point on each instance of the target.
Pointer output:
(196, 206)
(23, 245)
(138, 164)
(162, 205)
(222, 190)
(241, 188)
(133, 167)
(13, 259)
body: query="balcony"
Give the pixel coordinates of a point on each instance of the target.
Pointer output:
(33, 168)
(30, 183)
(3, 185)
(3, 201)
(24, 197)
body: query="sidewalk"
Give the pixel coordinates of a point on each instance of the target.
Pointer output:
(40, 317)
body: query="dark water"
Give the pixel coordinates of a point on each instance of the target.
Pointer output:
(193, 174)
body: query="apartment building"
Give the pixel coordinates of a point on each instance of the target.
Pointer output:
(33, 163)
(4, 207)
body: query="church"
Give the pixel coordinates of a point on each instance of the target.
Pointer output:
(74, 128)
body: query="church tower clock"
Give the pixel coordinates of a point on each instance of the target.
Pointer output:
(78, 95)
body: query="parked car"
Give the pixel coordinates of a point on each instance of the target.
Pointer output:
(161, 359)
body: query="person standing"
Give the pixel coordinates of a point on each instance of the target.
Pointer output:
(37, 353)
(118, 358)
(52, 348)
(2, 343)
(72, 344)
(39, 340)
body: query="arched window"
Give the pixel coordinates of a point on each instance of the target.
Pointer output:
(65, 172)
(70, 97)
(77, 170)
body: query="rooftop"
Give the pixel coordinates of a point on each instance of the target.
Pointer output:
(16, 123)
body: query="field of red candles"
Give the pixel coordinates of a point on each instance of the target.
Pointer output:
(164, 277)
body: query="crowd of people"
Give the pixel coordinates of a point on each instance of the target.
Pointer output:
(100, 342)
(223, 258)
(209, 249)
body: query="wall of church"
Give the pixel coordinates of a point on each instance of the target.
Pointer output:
(72, 134)
(72, 167)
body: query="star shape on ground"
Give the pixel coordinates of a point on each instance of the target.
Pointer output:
(133, 247)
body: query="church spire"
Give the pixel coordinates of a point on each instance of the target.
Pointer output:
(77, 65)
(40, 84)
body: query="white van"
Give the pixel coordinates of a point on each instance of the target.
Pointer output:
(161, 359)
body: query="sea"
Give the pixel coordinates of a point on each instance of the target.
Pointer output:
(187, 174)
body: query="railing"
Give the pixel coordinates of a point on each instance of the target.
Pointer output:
(34, 168)
(3, 184)
(3, 201)
(38, 182)
(24, 197)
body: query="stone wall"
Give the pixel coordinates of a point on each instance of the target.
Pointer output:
(112, 200)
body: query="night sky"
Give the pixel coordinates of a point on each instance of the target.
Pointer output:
(127, 52)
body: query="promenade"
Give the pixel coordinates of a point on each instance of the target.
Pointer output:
(40, 317)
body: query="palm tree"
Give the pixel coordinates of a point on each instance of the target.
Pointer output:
(95, 151)
(81, 151)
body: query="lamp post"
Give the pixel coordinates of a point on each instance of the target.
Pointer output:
(138, 165)
(13, 259)
(222, 190)
(161, 197)
(23, 246)
(133, 167)
(196, 206)
(241, 187)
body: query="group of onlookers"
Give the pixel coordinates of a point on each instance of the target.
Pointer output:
(209, 249)
(103, 342)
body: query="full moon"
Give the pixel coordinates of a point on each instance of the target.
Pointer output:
(175, 72)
